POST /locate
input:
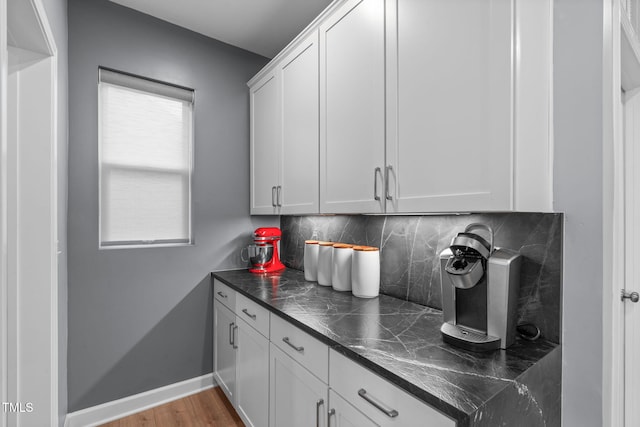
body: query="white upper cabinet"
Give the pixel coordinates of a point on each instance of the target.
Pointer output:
(285, 134)
(352, 116)
(265, 145)
(422, 106)
(449, 141)
(300, 129)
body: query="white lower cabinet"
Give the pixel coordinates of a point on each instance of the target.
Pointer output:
(277, 375)
(241, 354)
(343, 414)
(378, 400)
(224, 353)
(298, 398)
(252, 376)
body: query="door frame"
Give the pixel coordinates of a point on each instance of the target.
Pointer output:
(4, 63)
(28, 307)
(621, 72)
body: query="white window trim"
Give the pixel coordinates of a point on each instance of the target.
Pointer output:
(169, 90)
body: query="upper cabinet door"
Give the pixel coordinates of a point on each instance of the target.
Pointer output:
(265, 145)
(300, 129)
(449, 135)
(352, 108)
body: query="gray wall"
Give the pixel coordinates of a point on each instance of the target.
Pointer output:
(578, 192)
(56, 11)
(141, 318)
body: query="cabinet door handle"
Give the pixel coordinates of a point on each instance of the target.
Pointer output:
(319, 403)
(273, 196)
(222, 295)
(279, 195)
(231, 343)
(391, 413)
(235, 329)
(331, 413)
(290, 344)
(245, 311)
(375, 183)
(386, 182)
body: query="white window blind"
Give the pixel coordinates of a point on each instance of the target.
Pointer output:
(145, 156)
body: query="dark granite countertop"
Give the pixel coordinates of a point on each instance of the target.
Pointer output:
(397, 339)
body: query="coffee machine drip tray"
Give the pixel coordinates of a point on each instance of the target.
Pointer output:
(468, 338)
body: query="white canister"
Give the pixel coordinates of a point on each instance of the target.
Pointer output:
(365, 272)
(325, 263)
(341, 272)
(311, 260)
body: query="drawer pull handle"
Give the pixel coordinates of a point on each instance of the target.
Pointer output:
(245, 311)
(391, 413)
(319, 403)
(222, 295)
(386, 183)
(295, 347)
(375, 184)
(235, 328)
(231, 343)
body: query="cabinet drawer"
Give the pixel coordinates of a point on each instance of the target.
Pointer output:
(377, 398)
(224, 294)
(252, 313)
(302, 347)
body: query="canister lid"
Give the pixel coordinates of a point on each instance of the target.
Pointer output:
(311, 242)
(365, 248)
(326, 243)
(342, 246)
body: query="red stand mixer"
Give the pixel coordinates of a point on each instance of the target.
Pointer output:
(264, 253)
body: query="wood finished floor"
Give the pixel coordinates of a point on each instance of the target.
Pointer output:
(207, 408)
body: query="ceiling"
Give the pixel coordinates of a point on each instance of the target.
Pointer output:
(260, 26)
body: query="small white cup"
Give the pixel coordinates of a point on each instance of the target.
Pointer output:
(311, 248)
(341, 271)
(325, 263)
(365, 271)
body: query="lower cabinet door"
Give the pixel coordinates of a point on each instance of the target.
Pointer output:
(252, 374)
(343, 414)
(224, 353)
(298, 398)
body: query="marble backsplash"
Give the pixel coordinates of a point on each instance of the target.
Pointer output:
(410, 246)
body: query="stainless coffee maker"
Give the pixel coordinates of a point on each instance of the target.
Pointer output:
(480, 286)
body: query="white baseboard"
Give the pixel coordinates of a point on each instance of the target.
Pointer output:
(115, 409)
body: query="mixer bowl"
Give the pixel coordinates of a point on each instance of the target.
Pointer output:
(260, 254)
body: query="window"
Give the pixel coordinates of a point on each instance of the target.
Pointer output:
(145, 160)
